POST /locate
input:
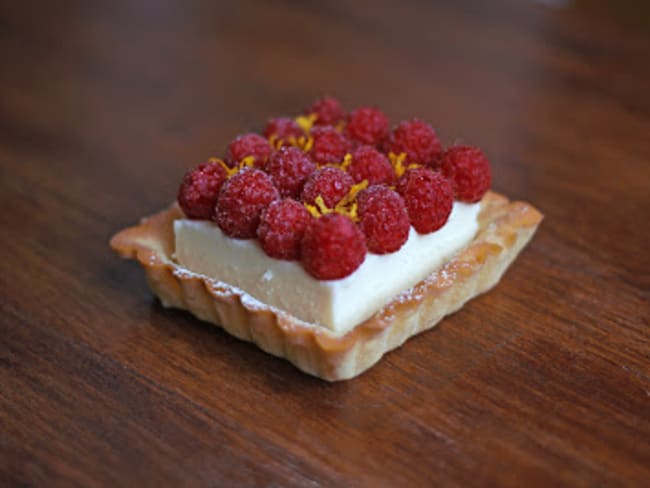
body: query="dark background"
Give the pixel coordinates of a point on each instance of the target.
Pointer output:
(544, 381)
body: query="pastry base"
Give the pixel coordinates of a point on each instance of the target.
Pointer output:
(504, 229)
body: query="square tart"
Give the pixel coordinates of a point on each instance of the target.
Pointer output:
(505, 227)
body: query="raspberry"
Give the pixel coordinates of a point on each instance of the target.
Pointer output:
(329, 145)
(241, 201)
(281, 228)
(283, 129)
(332, 247)
(384, 219)
(328, 111)
(428, 197)
(199, 190)
(289, 168)
(468, 170)
(248, 145)
(370, 164)
(330, 183)
(367, 125)
(417, 139)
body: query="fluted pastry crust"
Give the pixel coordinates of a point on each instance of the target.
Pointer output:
(504, 229)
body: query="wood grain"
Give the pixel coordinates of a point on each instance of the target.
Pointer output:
(543, 381)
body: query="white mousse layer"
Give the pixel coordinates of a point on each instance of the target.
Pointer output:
(339, 305)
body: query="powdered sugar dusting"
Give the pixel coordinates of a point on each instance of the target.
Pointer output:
(225, 290)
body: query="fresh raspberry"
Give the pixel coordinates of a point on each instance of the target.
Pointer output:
(329, 145)
(383, 219)
(283, 129)
(417, 139)
(468, 170)
(241, 201)
(367, 125)
(332, 247)
(330, 183)
(370, 164)
(428, 197)
(248, 145)
(328, 111)
(289, 168)
(199, 190)
(281, 228)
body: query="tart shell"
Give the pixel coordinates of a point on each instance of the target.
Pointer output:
(504, 229)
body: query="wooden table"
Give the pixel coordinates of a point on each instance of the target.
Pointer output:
(544, 381)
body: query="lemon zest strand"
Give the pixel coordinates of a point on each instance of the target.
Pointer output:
(347, 205)
(305, 143)
(247, 162)
(305, 122)
(312, 210)
(347, 161)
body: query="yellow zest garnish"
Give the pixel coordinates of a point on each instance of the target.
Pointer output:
(312, 210)
(247, 162)
(347, 206)
(305, 122)
(275, 141)
(340, 126)
(320, 208)
(323, 209)
(343, 165)
(305, 143)
(398, 162)
(229, 171)
(347, 161)
(352, 194)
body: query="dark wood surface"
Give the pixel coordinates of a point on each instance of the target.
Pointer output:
(544, 381)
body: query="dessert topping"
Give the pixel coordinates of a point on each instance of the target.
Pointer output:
(282, 131)
(346, 206)
(383, 219)
(332, 247)
(328, 145)
(241, 201)
(367, 125)
(199, 189)
(289, 168)
(428, 197)
(344, 198)
(468, 170)
(367, 163)
(326, 111)
(253, 145)
(282, 226)
(417, 139)
(330, 183)
(399, 163)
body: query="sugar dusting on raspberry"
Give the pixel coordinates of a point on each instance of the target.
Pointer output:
(367, 125)
(330, 183)
(242, 200)
(468, 170)
(327, 110)
(370, 164)
(428, 197)
(248, 145)
(328, 146)
(289, 168)
(417, 139)
(383, 219)
(282, 226)
(198, 192)
(333, 247)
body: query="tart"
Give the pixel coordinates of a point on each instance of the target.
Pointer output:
(330, 239)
